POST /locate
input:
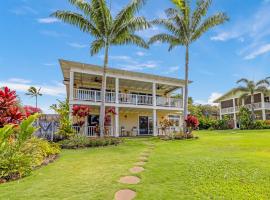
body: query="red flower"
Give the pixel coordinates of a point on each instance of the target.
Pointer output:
(29, 110)
(192, 122)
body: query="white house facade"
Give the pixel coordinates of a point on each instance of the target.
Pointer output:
(141, 101)
(230, 104)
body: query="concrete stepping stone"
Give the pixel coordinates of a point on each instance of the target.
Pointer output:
(136, 169)
(125, 194)
(141, 163)
(143, 158)
(129, 180)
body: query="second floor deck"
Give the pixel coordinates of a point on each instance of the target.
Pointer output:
(125, 98)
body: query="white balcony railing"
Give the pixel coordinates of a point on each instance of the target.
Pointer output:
(91, 131)
(133, 99)
(257, 106)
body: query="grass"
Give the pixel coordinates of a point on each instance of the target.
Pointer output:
(220, 165)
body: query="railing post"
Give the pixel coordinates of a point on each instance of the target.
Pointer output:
(116, 122)
(86, 126)
(71, 85)
(95, 96)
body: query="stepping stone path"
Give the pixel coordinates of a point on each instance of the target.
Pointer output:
(130, 180)
(128, 194)
(140, 163)
(136, 170)
(125, 195)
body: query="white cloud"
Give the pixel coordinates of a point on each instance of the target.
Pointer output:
(49, 64)
(121, 58)
(140, 53)
(149, 32)
(23, 10)
(77, 45)
(210, 100)
(53, 33)
(136, 66)
(257, 52)
(19, 80)
(47, 20)
(56, 89)
(172, 69)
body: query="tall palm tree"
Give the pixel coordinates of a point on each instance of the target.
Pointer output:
(34, 92)
(96, 19)
(185, 27)
(249, 88)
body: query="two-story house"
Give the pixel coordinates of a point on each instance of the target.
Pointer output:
(141, 101)
(230, 103)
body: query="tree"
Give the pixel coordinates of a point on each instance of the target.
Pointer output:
(96, 19)
(185, 27)
(34, 92)
(249, 88)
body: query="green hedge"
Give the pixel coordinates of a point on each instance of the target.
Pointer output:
(79, 141)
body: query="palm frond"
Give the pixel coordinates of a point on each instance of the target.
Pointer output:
(243, 80)
(184, 7)
(78, 20)
(210, 22)
(127, 13)
(168, 24)
(263, 82)
(96, 46)
(165, 38)
(83, 6)
(130, 39)
(262, 89)
(199, 13)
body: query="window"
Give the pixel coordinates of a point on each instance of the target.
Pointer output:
(175, 119)
(267, 99)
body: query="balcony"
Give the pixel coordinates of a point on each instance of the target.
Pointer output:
(131, 99)
(257, 106)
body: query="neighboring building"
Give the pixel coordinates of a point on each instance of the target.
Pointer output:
(230, 103)
(140, 100)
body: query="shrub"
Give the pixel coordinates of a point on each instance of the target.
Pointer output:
(192, 123)
(245, 118)
(38, 150)
(81, 141)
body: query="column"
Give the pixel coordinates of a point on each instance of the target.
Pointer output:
(86, 125)
(71, 95)
(155, 133)
(154, 95)
(71, 86)
(116, 122)
(220, 112)
(117, 90)
(234, 114)
(263, 107)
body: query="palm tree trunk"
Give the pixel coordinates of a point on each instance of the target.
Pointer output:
(186, 89)
(103, 93)
(252, 107)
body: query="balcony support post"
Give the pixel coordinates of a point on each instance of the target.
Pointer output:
(154, 95)
(116, 122)
(234, 114)
(71, 86)
(155, 132)
(116, 90)
(263, 107)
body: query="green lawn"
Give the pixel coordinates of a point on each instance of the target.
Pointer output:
(219, 165)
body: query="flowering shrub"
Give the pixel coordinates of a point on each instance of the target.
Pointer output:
(165, 124)
(29, 110)
(9, 109)
(80, 112)
(192, 122)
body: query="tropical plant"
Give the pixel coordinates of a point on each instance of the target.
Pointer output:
(34, 92)
(29, 110)
(250, 88)
(192, 123)
(10, 112)
(185, 27)
(80, 112)
(65, 125)
(245, 118)
(96, 19)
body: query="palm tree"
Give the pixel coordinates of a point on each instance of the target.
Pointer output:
(96, 19)
(185, 27)
(34, 92)
(250, 88)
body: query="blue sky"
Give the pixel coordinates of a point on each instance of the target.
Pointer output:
(32, 42)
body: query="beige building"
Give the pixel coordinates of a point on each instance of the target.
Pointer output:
(140, 100)
(230, 104)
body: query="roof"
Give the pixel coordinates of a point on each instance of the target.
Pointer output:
(67, 65)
